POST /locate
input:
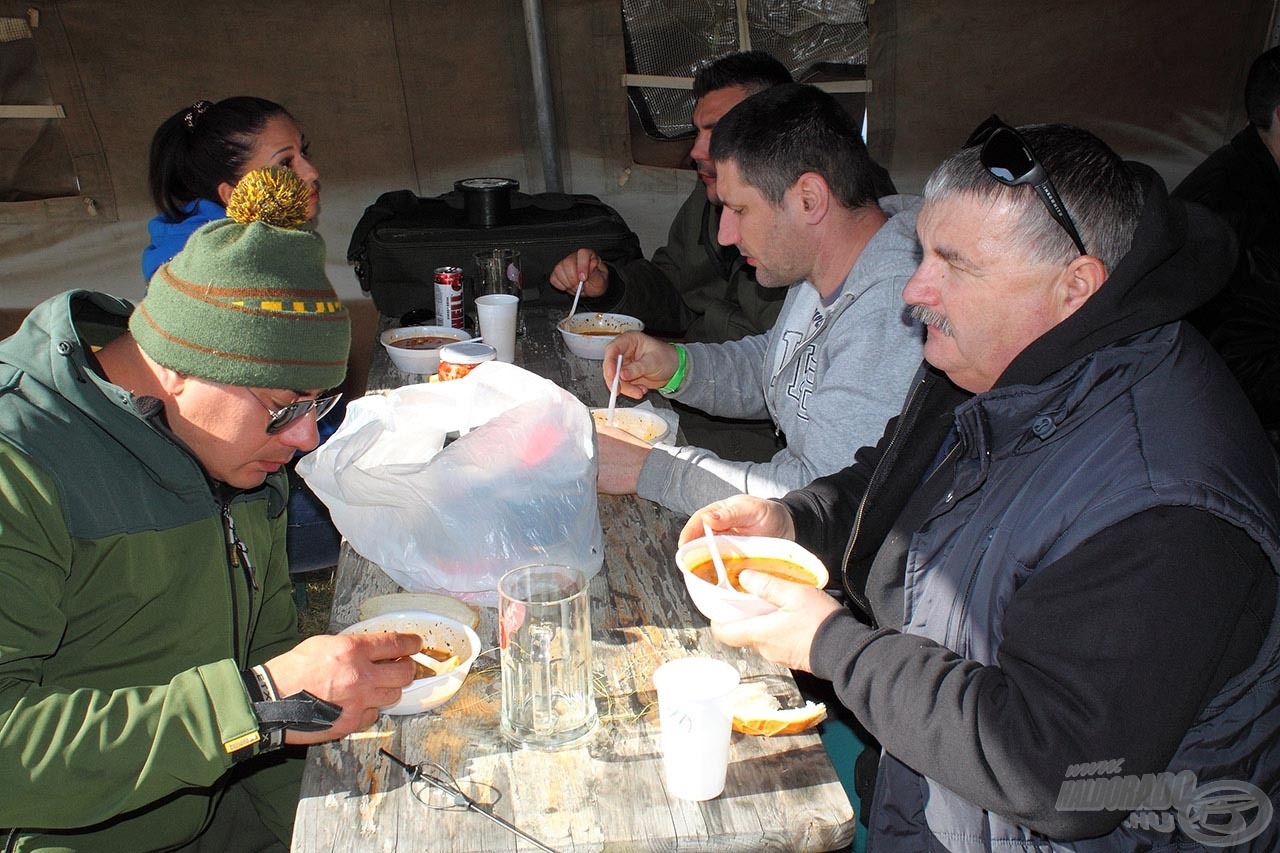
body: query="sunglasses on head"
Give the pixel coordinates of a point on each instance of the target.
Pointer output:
(282, 419)
(1007, 158)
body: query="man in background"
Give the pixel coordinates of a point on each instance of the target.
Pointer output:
(1241, 183)
(694, 288)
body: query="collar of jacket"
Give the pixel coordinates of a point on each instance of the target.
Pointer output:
(726, 260)
(1021, 419)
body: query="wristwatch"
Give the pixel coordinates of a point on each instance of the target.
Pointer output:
(300, 712)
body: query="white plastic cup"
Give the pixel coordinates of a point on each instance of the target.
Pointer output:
(497, 313)
(696, 720)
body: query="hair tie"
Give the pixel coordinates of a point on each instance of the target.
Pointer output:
(197, 109)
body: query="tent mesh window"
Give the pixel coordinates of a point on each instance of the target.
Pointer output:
(35, 162)
(677, 37)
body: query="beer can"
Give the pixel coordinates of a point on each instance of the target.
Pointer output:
(449, 296)
(457, 360)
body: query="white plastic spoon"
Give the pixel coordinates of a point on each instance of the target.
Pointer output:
(613, 390)
(721, 575)
(573, 309)
(435, 666)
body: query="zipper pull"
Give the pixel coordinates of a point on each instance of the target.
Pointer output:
(237, 551)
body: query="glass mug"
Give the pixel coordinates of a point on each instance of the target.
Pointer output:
(544, 633)
(498, 271)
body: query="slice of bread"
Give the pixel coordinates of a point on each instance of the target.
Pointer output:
(756, 711)
(431, 602)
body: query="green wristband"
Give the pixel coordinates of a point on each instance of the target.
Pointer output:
(677, 378)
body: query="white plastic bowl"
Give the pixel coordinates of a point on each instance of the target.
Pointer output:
(643, 424)
(438, 632)
(586, 334)
(729, 605)
(423, 361)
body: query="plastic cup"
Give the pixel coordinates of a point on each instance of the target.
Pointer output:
(497, 313)
(696, 720)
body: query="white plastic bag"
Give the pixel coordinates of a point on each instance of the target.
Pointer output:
(518, 486)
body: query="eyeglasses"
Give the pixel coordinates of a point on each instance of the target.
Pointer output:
(435, 788)
(282, 419)
(1007, 158)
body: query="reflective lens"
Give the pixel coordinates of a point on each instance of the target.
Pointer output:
(284, 418)
(1006, 157)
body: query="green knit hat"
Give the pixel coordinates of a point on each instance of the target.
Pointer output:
(246, 302)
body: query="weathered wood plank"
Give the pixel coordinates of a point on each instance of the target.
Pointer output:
(608, 794)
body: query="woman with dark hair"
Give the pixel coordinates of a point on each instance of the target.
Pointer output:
(199, 154)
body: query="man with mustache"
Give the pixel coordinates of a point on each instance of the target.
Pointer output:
(1059, 561)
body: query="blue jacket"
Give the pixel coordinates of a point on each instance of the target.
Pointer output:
(168, 237)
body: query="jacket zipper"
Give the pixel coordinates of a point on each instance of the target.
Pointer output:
(237, 557)
(903, 426)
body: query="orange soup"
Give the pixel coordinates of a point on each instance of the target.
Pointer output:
(423, 342)
(441, 655)
(735, 564)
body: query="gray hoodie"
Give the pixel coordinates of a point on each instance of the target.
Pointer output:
(829, 390)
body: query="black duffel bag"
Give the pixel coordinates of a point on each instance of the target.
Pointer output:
(402, 238)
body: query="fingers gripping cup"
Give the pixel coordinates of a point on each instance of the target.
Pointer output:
(696, 720)
(544, 633)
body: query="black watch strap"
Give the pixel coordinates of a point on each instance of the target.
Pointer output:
(302, 712)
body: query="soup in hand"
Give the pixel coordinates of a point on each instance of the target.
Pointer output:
(736, 564)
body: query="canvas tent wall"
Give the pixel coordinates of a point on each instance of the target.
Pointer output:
(414, 94)
(1161, 82)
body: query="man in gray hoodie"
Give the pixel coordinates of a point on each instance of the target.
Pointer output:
(799, 203)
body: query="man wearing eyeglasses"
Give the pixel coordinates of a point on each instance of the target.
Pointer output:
(1060, 559)
(150, 672)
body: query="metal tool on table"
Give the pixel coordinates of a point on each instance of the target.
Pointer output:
(460, 798)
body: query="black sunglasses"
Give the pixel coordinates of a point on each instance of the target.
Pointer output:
(282, 419)
(1007, 158)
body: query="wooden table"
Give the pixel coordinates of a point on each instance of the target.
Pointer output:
(609, 794)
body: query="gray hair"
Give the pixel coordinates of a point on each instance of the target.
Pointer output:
(1103, 196)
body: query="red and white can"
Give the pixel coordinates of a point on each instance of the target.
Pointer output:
(449, 296)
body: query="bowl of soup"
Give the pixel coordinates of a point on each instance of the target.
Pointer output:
(646, 425)
(587, 333)
(781, 558)
(416, 349)
(451, 647)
